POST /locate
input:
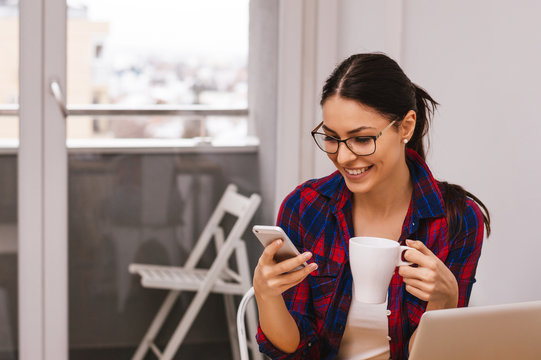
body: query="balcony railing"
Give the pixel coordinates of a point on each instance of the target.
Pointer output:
(201, 143)
(9, 110)
(154, 110)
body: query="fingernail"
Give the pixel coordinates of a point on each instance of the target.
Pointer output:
(307, 255)
(279, 242)
(313, 266)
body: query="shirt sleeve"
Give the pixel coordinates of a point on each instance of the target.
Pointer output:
(297, 298)
(466, 250)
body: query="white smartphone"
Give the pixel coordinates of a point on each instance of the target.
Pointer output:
(267, 234)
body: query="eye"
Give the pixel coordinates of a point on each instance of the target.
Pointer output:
(362, 140)
(328, 138)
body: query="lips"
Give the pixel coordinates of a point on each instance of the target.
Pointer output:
(357, 171)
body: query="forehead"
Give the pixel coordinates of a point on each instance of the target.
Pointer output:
(342, 115)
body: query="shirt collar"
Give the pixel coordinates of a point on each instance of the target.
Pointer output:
(427, 199)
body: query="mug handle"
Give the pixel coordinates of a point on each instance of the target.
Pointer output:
(400, 261)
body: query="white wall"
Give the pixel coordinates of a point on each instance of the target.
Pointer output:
(482, 61)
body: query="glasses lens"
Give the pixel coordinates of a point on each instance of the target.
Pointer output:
(326, 143)
(362, 145)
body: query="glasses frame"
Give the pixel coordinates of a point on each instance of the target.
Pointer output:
(373, 137)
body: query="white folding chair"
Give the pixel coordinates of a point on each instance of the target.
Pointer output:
(219, 278)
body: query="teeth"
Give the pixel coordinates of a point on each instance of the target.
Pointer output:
(357, 171)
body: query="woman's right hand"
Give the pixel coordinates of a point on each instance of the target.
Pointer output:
(271, 279)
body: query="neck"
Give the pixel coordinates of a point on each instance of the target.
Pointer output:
(388, 197)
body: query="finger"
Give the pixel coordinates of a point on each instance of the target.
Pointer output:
(417, 257)
(270, 250)
(292, 263)
(414, 256)
(296, 277)
(418, 245)
(407, 271)
(420, 285)
(424, 274)
(285, 281)
(417, 293)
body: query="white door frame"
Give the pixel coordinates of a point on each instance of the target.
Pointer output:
(42, 184)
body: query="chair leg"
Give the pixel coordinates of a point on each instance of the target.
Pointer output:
(230, 314)
(182, 328)
(156, 325)
(251, 316)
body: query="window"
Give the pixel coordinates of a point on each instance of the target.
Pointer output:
(171, 55)
(9, 71)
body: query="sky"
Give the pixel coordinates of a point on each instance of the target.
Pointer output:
(171, 28)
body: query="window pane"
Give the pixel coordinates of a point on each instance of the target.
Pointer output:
(9, 134)
(141, 53)
(149, 209)
(9, 68)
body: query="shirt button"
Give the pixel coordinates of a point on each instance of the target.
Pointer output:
(309, 344)
(340, 327)
(388, 312)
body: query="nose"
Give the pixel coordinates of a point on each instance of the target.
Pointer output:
(344, 154)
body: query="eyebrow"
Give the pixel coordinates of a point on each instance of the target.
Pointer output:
(361, 128)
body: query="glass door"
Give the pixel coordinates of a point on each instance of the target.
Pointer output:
(9, 137)
(156, 94)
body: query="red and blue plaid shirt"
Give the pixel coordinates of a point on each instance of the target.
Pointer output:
(317, 216)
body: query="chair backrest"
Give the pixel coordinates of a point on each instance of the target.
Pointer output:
(231, 202)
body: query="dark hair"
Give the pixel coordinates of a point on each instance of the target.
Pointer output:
(377, 81)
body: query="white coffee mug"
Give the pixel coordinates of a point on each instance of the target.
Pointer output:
(373, 261)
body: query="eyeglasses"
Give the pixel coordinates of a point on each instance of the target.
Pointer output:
(359, 145)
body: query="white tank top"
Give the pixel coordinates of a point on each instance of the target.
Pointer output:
(366, 333)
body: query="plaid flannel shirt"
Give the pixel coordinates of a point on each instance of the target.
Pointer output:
(317, 216)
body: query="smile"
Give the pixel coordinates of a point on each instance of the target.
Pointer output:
(357, 171)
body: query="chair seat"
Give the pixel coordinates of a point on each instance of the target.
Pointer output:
(179, 278)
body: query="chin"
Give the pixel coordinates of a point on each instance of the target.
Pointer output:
(358, 186)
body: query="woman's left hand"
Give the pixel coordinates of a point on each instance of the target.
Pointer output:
(432, 280)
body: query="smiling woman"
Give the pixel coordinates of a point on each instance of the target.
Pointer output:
(384, 191)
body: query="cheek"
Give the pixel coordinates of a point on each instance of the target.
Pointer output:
(390, 161)
(387, 157)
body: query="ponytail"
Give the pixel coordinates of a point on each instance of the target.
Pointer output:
(454, 196)
(425, 107)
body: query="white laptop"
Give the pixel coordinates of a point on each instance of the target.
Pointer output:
(511, 331)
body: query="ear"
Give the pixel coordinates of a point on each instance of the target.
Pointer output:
(407, 126)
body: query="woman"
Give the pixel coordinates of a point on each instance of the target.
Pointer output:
(374, 123)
